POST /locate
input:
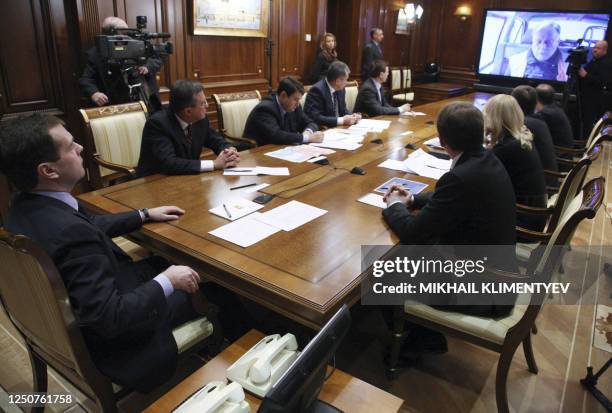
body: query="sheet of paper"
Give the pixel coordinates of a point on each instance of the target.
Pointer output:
(335, 135)
(395, 165)
(290, 215)
(244, 232)
(349, 146)
(299, 153)
(412, 114)
(237, 207)
(257, 170)
(374, 200)
(434, 143)
(427, 165)
(413, 186)
(408, 132)
(255, 188)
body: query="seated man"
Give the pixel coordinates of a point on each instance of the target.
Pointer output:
(472, 204)
(279, 118)
(126, 310)
(526, 97)
(325, 101)
(371, 97)
(173, 138)
(557, 121)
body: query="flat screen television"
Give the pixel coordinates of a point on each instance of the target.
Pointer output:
(534, 44)
(297, 389)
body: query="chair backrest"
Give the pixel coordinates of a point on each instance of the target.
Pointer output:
(605, 120)
(572, 184)
(400, 76)
(233, 109)
(35, 299)
(605, 134)
(583, 205)
(115, 133)
(351, 89)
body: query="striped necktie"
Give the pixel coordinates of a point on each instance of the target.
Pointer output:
(188, 137)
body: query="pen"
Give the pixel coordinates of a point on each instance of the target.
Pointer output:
(242, 186)
(227, 211)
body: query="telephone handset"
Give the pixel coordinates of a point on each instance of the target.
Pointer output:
(216, 397)
(260, 367)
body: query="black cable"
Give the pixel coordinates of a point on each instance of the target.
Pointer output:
(333, 168)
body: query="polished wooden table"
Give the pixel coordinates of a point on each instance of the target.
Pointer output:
(341, 390)
(305, 274)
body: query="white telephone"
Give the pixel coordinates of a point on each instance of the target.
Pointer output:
(216, 397)
(260, 367)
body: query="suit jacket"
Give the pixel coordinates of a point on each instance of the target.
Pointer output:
(472, 205)
(544, 145)
(319, 68)
(95, 78)
(371, 52)
(319, 104)
(559, 125)
(527, 176)
(123, 314)
(164, 147)
(265, 124)
(370, 103)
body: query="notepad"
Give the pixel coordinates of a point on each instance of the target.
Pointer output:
(237, 207)
(290, 215)
(245, 232)
(374, 200)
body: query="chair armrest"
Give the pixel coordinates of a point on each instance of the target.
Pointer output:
(533, 210)
(552, 189)
(569, 162)
(563, 149)
(555, 173)
(580, 143)
(113, 166)
(249, 141)
(533, 235)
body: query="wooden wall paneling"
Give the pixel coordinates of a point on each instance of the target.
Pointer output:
(315, 24)
(290, 39)
(177, 24)
(343, 20)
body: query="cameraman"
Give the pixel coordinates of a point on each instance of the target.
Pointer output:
(104, 83)
(593, 77)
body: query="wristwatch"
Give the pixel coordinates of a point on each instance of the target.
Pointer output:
(145, 213)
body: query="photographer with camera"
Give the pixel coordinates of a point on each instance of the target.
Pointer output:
(107, 81)
(593, 78)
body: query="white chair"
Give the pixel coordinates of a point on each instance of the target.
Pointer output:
(351, 89)
(401, 80)
(233, 109)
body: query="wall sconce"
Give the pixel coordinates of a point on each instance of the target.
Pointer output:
(412, 12)
(463, 12)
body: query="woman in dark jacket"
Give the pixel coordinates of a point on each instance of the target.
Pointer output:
(327, 54)
(512, 143)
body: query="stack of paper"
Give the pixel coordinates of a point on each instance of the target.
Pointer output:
(256, 170)
(341, 139)
(245, 232)
(299, 153)
(421, 163)
(235, 208)
(434, 143)
(290, 215)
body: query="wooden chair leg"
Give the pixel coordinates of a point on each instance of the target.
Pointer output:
(39, 378)
(534, 329)
(396, 341)
(501, 379)
(528, 350)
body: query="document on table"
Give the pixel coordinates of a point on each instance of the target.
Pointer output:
(405, 114)
(349, 146)
(244, 232)
(290, 215)
(434, 143)
(299, 153)
(396, 165)
(340, 139)
(413, 186)
(371, 125)
(235, 208)
(427, 165)
(374, 200)
(256, 170)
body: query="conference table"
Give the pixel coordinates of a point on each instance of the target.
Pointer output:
(305, 274)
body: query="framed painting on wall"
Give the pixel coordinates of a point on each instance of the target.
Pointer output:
(245, 18)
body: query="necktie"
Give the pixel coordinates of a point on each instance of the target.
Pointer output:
(335, 98)
(285, 125)
(188, 137)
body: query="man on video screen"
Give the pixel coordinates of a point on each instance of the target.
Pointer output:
(543, 60)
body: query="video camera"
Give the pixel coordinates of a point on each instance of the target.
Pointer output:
(132, 45)
(576, 58)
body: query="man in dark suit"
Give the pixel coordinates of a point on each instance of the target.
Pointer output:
(105, 84)
(173, 138)
(472, 204)
(325, 101)
(371, 97)
(555, 117)
(527, 98)
(371, 52)
(126, 310)
(279, 119)
(592, 81)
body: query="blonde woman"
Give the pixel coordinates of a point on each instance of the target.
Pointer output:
(327, 54)
(512, 143)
